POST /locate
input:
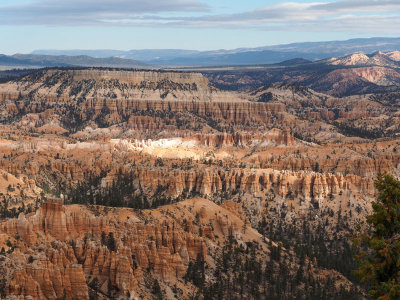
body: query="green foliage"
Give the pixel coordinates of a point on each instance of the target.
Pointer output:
(12, 212)
(316, 242)
(95, 287)
(156, 290)
(240, 274)
(95, 284)
(3, 284)
(196, 271)
(121, 193)
(109, 241)
(351, 130)
(379, 246)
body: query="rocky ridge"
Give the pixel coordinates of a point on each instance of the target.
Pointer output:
(375, 59)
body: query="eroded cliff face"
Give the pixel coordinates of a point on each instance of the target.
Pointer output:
(210, 181)
(71, 161)
(148, 103)
(366, 163)
(59, 250)
(113, 111)
(71, 252)
(65, 85)
(274, 137)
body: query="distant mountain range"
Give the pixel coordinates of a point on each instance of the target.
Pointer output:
(40, 61)
(379, 58)
(356, 73)
(243, 56)
(337, 68)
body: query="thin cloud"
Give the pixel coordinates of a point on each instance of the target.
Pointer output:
(355, 16)
(292, 12)
(352, 16)
(360, 6)
(90, 12)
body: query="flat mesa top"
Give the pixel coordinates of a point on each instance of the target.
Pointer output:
(98, 83)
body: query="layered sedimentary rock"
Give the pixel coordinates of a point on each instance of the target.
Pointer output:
(59, 252)
(366, 160)
(275, 136)
(153, 244)
(211, 181)
(117, 111)
(63, 85)
(282, 154)
(150, 102)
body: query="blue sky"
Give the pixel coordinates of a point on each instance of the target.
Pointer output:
(26, 25)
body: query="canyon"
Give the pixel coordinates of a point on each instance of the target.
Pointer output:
(127, 184)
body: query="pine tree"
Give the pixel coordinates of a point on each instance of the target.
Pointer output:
(379, 246)
(111, 242)
(103, 238)
(157, 290)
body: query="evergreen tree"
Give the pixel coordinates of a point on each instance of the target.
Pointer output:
(157, 290)
(103, 238)
(111, 242)
(379, 246)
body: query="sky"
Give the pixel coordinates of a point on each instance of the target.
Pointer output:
(27, 25)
